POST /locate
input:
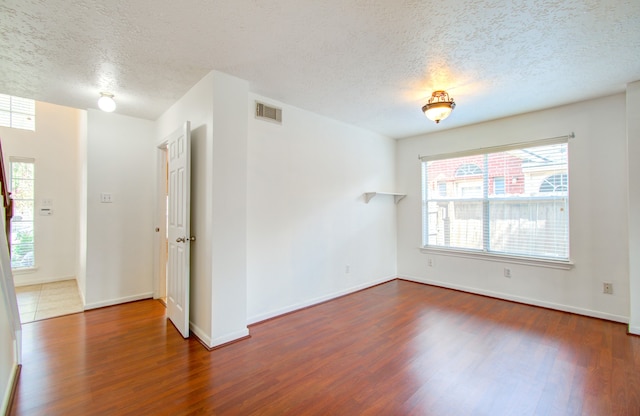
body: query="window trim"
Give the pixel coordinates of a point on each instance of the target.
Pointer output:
(495, 149)
(12, 110)
(19, 159)
(481, 254)
(504, 258)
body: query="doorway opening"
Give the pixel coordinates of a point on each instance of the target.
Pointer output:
(162, 228)
(48, 300)
(40, 298)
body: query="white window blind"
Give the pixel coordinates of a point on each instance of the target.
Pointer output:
(17, 112)
(508, 201)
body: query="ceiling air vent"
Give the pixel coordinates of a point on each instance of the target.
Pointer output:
(265, 112)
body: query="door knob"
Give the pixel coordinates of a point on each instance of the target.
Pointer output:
(180, 240)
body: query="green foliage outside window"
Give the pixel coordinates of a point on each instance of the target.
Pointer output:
(22, 223)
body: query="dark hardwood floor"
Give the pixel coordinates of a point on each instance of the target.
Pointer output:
(400, 348)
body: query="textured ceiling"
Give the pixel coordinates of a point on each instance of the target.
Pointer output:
(372, 63)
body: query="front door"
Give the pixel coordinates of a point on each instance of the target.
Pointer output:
(179, 177)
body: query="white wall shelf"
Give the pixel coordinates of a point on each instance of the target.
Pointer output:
(396, 197)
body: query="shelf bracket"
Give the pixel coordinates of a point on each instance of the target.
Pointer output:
(396, 197)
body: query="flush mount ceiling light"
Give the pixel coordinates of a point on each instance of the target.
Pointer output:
(439, 106)
(106, 103)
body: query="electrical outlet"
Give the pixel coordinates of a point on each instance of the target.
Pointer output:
(106, 198)
(607, 288)
(507, 272)
(430, 262)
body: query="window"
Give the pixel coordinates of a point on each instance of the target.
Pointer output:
(555, 183)
(509, 201)
(498, 185)
(22, 223)
(468, 169)
(16, 112)
(442, 188)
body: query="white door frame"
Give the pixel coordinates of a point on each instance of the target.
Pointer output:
(160, 241)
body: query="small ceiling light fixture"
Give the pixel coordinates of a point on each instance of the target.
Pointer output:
(106, 103)
(439, 106)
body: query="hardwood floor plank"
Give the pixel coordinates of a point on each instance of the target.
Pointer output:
(400, 348)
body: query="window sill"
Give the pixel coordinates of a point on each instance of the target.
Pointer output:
(549, 263)
(25, 270)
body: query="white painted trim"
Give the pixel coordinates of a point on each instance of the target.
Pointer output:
(504, 258)
(500, 148)
(212, 343)
(635, 330)
(82, 299)
(26, 270)
(17, 344)
(520, 299)
(291, 308)
(9, 390)
(23, 280)
(159, 256)
(197, 331)
(228, 338)
(111, 302)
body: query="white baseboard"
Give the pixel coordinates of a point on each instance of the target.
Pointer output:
(200, 334)
(111, 302)
(291, 308)
(520, 299)
(233, 336)
(82, 299)
(635, 330)
(11, 383)
(26, 280)
(212, 343)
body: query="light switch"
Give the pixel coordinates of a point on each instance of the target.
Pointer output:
(46, 212)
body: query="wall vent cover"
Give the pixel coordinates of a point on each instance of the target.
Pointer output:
(266, 112)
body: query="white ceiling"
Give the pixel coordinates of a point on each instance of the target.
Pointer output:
(372, 63)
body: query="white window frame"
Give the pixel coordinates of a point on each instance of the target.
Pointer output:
(32, 161)
(17, 112)
(484, 253)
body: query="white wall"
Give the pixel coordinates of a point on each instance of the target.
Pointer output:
(216, 108)
(633, 151)
(120, 160)
(196, 106)
(306, 215)
(229, 209)
(278, 211)
(54, 146)
(598, 211)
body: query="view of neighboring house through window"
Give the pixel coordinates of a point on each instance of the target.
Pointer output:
(510, 201)
(17, 112)
(22, 223)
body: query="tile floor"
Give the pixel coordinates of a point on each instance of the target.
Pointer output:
(48, 300)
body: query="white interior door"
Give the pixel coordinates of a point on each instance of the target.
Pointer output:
(179, 177)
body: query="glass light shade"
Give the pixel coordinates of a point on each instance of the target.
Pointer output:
(106, 103)
(438, 111)
(439, 106)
